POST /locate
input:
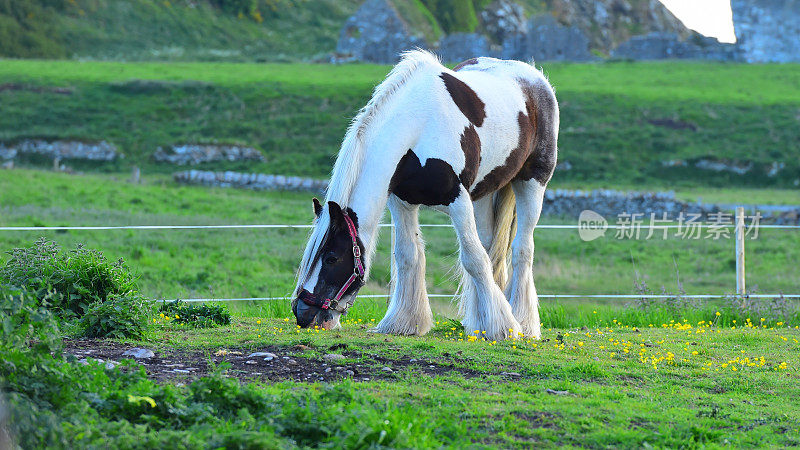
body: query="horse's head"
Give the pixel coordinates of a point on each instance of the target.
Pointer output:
(332, 270)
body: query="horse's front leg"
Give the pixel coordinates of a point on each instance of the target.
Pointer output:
(485, 307)
(409, 310)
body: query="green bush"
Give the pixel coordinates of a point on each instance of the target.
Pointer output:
(24, 323)
(198, 316)
(79, 284)
(120, 317)
(67, 282)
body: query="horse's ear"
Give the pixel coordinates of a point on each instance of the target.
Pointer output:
(317, 207)
(337, 216)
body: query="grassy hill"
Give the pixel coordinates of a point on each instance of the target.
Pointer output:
(205, 30)
(622, 123)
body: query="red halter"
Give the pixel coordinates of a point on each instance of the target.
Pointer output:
(358, 273)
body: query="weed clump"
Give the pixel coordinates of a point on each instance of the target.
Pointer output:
(198, 316)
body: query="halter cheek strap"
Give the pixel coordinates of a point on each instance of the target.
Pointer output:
(358, 274)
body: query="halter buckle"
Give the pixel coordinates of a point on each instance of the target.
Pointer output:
(356, 251)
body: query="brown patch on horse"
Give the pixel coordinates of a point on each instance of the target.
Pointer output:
(502, 175)
(541, 106)
(468, 62)
(465, 98)
(471, 146)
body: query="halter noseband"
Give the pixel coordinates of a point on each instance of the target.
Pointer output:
(358, 273)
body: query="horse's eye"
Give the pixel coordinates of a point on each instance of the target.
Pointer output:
(330, 259)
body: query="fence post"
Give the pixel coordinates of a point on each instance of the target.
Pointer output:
(740, 230)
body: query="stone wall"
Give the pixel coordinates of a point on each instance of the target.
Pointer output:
(91, 151)
(558, 202)
(660, 45)
(192, 154)
(257, 181)
(767, 30)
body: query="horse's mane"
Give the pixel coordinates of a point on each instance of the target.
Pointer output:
(349, 164)
(350, 161)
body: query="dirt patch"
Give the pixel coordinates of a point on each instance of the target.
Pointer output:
(288, 363)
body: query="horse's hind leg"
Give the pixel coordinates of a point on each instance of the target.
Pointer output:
(485, 306)
(521, 291)
(409, 310)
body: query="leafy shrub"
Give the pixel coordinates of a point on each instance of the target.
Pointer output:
(198, 316)
(57, 403)
(118, 317)
(79, 284)
(24, 324)
(68, 281)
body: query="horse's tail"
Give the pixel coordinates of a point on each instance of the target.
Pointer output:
(505, 227)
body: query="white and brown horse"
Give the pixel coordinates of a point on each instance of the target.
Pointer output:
(478, 143)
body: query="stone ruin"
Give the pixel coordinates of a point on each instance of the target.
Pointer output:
(767, 30)
(578, 30)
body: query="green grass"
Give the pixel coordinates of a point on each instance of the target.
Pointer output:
(296, 114)
(291, 30)
(260, 263)
(616, 395)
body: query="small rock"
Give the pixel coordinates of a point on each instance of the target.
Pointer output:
(413, 360)
(328, 370)
(285, 357)
(250, 361)
(266, 355)
(387, 369)
(111, 364)
(333, 357)
(139, 353)
(291, 362)
(511, 374)
(349, 373)
(83, 361)
(555, 392)
(180, 371)
(302, 347)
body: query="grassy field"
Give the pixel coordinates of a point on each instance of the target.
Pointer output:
(674, 384)
(259, 263)
(620, 121)
(278, 30)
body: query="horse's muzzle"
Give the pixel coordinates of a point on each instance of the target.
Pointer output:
(310, 315)
(306, 314)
